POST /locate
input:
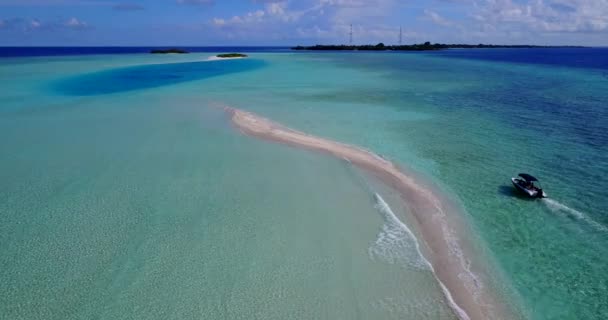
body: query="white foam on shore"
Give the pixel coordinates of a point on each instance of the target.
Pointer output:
(394, 243)
(216, 58)
(556, 206)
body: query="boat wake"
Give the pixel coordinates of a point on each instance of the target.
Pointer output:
(559, 207)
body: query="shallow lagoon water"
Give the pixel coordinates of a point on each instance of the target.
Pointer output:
(159, 209)
(148, 204)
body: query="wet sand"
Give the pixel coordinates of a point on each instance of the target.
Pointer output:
(463, 291)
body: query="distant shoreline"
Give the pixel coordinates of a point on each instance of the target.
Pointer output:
(427, 46)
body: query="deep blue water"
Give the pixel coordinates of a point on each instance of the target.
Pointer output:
(67, 51)
(566, 57)
(150, 76)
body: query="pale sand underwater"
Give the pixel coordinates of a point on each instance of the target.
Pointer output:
(465, 294)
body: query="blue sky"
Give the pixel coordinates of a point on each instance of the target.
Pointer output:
(290, 22)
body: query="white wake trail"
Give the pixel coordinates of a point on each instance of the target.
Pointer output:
(556, 206)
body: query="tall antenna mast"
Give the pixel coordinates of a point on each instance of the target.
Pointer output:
(400, 36)
(351, 34)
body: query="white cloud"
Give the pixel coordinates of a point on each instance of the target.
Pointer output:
(35, 24)
(218, 22)
(545, 16)
(327, 20)
(74, 23)
(276, 8)
(437, 19)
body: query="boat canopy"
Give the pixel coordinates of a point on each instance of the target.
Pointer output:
(527, 177)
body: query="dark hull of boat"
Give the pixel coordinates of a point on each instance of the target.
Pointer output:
(536, 193)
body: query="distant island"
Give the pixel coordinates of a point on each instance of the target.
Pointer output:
(227, 56)
(427, 46)
(231, 55)
(166, 51)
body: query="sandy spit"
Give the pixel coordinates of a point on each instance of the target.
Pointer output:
(461, 287)
(216, 58)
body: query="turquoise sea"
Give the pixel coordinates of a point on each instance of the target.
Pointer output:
(125, 192)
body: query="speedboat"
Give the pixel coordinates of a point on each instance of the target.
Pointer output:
(528, 185)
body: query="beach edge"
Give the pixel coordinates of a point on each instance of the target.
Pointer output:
(465, 295)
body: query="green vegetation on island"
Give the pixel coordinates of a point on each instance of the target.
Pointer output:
(166, 51)
(232, 55)
(427, 46)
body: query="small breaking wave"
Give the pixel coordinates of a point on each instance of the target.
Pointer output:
(395, 243)
(557, 207)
